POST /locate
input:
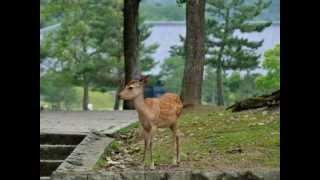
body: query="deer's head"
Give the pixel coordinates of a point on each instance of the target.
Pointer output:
(133, 89)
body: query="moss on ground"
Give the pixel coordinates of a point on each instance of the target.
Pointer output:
(211, 139)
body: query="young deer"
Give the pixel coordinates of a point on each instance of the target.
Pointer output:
(154, 113)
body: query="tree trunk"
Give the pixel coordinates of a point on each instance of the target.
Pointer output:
(220, 90)
(117, 99)
(194, 65)
(220, 101)
(85, 100)
(130, 42)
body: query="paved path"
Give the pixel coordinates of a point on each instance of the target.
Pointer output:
(83, 122)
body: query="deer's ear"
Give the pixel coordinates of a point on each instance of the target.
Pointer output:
(144, 79)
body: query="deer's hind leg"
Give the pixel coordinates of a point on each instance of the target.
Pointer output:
(176, 143)
(145, 150)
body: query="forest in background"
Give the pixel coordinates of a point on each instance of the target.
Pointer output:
(98, 73)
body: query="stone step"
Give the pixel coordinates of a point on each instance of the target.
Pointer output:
(63, 139)
(48, 166)
(45, 178)
(56, 152)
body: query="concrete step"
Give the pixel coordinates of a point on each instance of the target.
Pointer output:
(63, 139)
(48, 166)
(56, 152)
(45, 178)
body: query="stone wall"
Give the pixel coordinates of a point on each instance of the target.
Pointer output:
(163, 175)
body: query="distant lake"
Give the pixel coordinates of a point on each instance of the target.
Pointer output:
(166, 34)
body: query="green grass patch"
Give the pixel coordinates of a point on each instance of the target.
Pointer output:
(100, 100)
(214, 138)
(129, 128)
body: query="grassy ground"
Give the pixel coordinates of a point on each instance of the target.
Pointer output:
(99, 100)
(212, 139)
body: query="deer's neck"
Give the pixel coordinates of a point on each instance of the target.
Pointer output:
(139, 104)
(144, 112)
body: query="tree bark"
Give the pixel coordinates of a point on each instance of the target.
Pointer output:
(194, 64)
(130, 38)
(85, 100)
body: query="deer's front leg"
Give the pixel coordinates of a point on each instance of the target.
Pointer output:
(145, 150)
(152, 162)
(152, 133)
(146, 146)
(178, 148)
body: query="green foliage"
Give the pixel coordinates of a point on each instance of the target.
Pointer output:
(115, 146)
(56, 88)
(71, 43)
(178, 50)
(271, 63)
(126, 130)
(89, 42)
(51, 12)
(229, 52)
(239, 87)
(145, 52)
(270, 14)
(172, 73)
(236, 86)
(209, 85)
(172, 69)
(82, 44)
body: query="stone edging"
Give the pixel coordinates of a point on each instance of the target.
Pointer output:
(165, 175)
(86, 154)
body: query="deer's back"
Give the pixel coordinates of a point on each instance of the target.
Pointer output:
(168, 108)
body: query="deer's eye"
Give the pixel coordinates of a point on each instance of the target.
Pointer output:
(130, 88)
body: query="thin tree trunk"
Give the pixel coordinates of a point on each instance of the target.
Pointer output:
(130, 37)
(117, 99)
(220, 101)
(85, 100)
(220, 90)
(57, 106)
(194, 65)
